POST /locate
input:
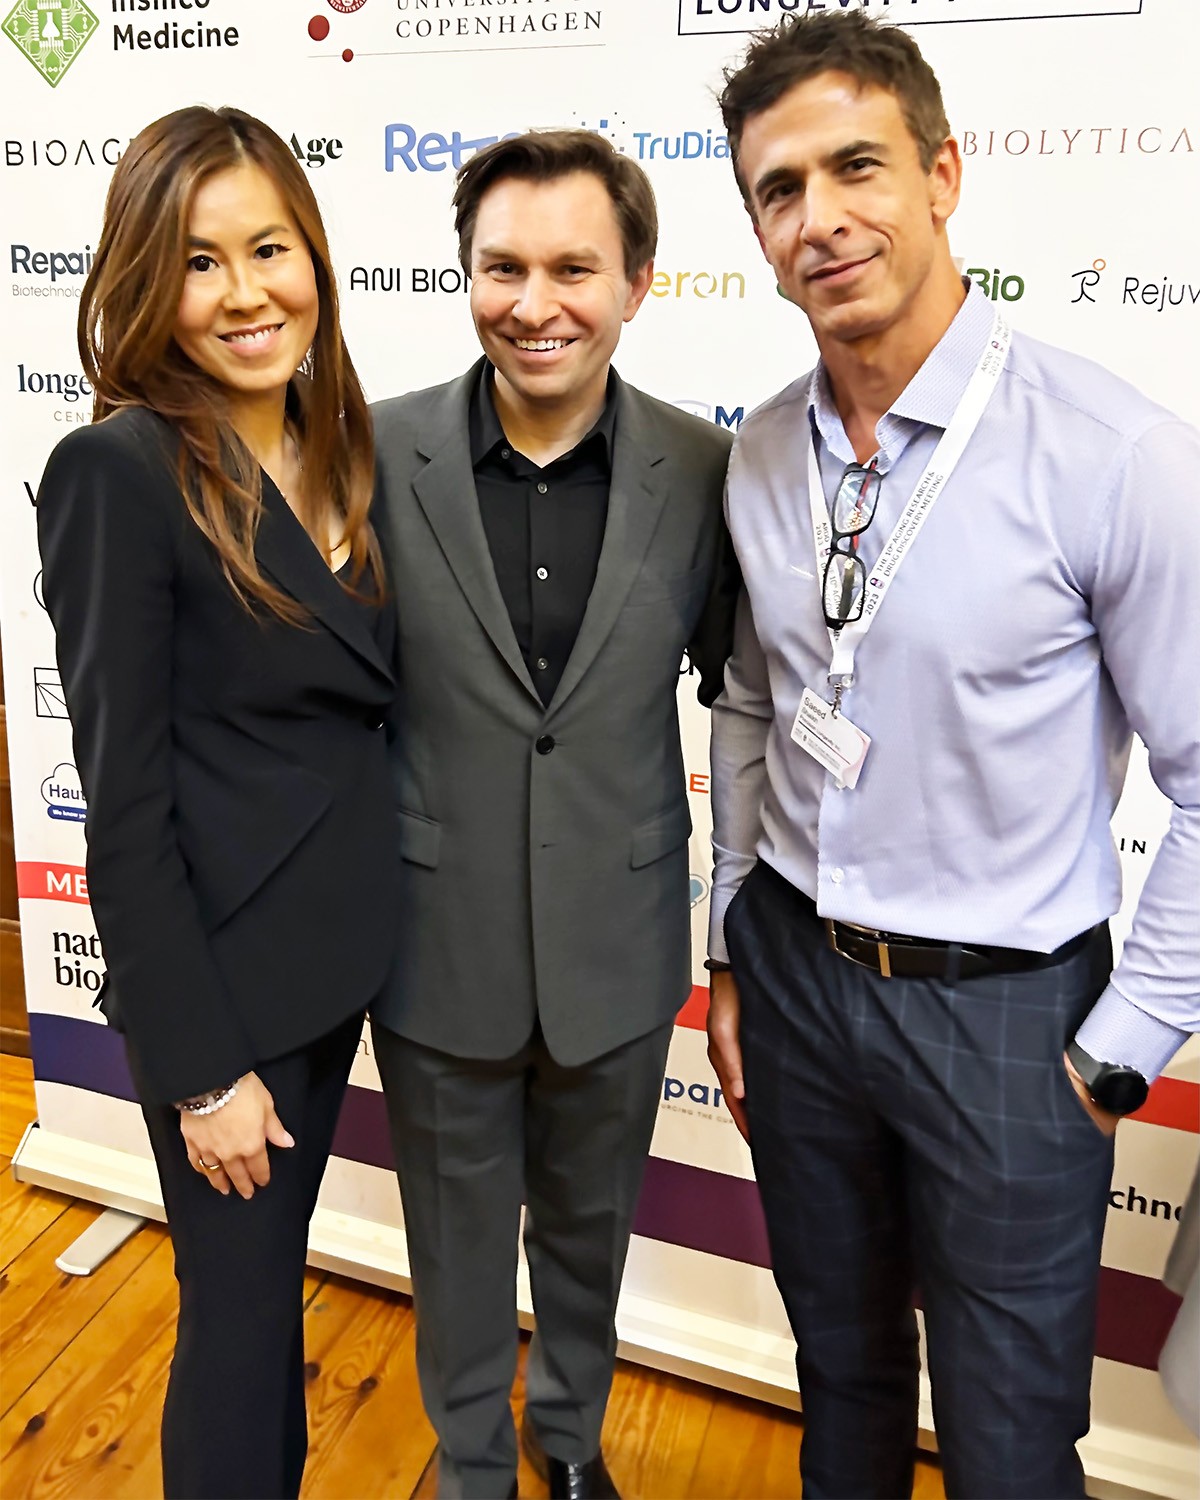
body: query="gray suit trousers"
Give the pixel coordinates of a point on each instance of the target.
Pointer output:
(473, 1138)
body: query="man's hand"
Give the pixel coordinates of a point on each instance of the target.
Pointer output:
(1104, 1121)
(724, 1047)
(236, 1137)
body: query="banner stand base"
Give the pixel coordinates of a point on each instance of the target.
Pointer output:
(98, 1241)
(1120, 1464)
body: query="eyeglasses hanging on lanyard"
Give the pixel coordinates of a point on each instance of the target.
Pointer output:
(843, 589)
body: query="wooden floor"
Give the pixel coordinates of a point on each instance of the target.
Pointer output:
(83, 1365)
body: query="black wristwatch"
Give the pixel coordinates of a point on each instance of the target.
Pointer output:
(1112, 1086)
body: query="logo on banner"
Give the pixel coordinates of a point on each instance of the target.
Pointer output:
(703, 144)
(49, 702)
(686, 145)
(441, 26)
(70, 385)
(1080, 141)
(37, 881)
(714, 17)
(77, 956)
(730, 417)
(72, 950)
(58, 267)
(431, 151)
(63, 795)
(1131, 1201)
(1156, 295)
(63, 153)
(316, 152)
(1087, 280)
(170, 36)
(680, 1094)
(418, 280)
(700, 284)
(63, 385)
(1000, 286)
(435, 151)
(691, 145)
(51, 33)
(565, 18)
(698, 889)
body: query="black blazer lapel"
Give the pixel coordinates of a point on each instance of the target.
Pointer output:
(640, 480)
(286, 552)
(445, 488)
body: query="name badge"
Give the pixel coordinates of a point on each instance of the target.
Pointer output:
(831, 739)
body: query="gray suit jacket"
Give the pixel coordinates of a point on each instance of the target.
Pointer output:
(544, 848)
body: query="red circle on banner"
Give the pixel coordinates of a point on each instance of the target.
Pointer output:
(318, 28)
(347, 56)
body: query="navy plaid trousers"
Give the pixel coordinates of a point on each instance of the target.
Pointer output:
(912, 1134)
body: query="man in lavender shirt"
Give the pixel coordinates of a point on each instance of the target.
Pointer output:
(971, 569)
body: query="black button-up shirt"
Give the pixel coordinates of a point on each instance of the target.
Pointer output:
(545, 528)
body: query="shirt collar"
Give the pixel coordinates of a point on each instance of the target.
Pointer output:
(486, 433)
(931, 397)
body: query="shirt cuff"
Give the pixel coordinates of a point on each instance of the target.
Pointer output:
(1117, 1031)
(718, 905)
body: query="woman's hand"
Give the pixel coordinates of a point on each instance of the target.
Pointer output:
(235, 1137)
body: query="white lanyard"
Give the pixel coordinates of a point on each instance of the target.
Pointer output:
(954, 439)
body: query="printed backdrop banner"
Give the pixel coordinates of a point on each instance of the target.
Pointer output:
(1079, 131)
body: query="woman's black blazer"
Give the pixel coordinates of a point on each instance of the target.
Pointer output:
(241, 843)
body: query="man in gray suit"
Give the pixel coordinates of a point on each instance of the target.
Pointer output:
(558, 545)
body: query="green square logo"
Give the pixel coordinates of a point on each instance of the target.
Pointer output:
(51, 33)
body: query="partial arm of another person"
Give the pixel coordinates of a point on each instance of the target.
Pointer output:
(105, 524)
(1144, 604)
(741, 722)
(712, 641)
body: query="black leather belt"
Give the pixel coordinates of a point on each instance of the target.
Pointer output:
(893, 955)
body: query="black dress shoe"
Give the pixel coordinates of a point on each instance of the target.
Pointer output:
(589, 1481)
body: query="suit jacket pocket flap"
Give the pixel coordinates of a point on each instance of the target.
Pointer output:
(653, 588)
(659, 835)
(420, 839)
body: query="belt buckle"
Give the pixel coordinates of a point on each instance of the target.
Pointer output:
(881, 948)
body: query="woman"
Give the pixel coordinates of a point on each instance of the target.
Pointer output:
(217, 591)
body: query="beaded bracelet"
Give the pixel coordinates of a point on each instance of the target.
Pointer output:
(208, 1104)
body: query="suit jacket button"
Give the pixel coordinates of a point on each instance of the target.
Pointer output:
(544, 744)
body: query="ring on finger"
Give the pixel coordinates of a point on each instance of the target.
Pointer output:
(209, 1166)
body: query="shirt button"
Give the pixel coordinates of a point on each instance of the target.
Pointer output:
(837, 876)
(542, 487)
(543, 574)
(505, 453)
(544, 744)
(542, 663)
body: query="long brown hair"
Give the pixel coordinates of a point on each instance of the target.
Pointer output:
(126, 325)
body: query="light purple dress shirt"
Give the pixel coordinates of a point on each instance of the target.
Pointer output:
(1049, 609)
